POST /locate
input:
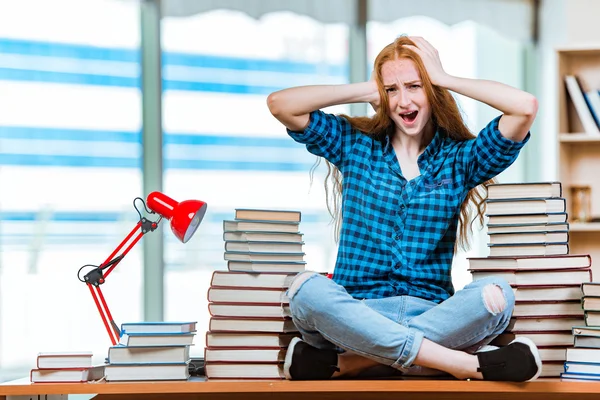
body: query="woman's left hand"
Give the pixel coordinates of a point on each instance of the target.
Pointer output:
(431, 60)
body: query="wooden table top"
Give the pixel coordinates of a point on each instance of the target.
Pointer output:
(343, 389)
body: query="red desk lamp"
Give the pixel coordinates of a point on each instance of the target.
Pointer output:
(185, 218)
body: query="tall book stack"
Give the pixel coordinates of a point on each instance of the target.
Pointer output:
(151, 351)
(65, 367)
(528, 242)
(583, 360)
(250, 325)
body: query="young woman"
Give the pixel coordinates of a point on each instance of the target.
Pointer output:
(407, 178)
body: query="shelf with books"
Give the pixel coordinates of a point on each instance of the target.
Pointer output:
(578, 139)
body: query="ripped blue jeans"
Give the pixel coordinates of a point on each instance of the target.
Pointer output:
(390, 330)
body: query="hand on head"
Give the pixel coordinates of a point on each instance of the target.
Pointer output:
(376, 99)
(431, 59)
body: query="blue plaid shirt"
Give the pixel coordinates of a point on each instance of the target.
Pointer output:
(398, 236)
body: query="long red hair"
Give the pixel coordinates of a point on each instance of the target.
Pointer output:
(445, 115)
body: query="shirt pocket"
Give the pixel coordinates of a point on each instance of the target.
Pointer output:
(432, 211)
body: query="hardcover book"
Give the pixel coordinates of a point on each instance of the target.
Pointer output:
(254, 214)
(524, 190)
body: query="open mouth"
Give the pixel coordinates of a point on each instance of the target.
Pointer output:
(410, 117)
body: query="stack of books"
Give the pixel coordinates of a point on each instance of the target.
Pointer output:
(527, 219)
(250, 325)
(65, 367)
(583, 360)
(529, 248)
(151, 351)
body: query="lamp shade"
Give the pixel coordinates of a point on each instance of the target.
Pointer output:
(185, 216)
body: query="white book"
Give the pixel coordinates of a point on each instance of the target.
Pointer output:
(256, 296)
(525, 206)
(72, 359)
(67, 374)
(251, 280)
(532, 249)
(149, 354)
(244, 371)
(583, 111)
(246, 310)
(147, 372)
(156, 339)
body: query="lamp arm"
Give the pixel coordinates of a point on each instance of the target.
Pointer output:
(97, 276)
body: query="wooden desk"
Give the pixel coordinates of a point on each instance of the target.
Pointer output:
(311, 390)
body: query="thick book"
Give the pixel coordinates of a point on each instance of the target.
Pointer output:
(247, 296)
(241, 324)
(588, 368)
(525, 206)
(586, 331)
(217, 340)
(530, 262)
(67, 374)
(590, 303)
(159, 327)
(592, 342)
(156, 339)
(553, 227)
(148, 355)
(216, 370)
(590, 288)
(257, 236)
(255, 214)
(564, 293)
(266, 266)
(540, 278)
(592, 318)
(244, 355)
(537, 324)
(247, 256)
(265, 247)
(249, 310)
(583, 355)
(568, 377)
(576, 94)
(147, 372)
(548, 339)
(524, 190)
(527, 219)
(528, 237)
(229, 279)
(532, 249)
(553, 354)
(67, 359)
(551, 369)
(261, 226)
(537, 309)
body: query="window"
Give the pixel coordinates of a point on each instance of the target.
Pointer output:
(223, 146)
(70, 169)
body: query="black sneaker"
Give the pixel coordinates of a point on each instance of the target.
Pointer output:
(519, 361)
(304, 362)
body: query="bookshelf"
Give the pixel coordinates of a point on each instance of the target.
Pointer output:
(578, 151)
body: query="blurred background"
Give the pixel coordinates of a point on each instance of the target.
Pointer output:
(103, 101)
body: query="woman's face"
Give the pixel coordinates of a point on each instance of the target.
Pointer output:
(408, 104)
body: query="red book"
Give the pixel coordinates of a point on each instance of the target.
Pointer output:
(540, 277)
(239, 324)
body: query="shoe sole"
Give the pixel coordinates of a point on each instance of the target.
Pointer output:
(534, 351)
(288, 358)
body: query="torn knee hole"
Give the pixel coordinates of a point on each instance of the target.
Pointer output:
(494, 299)
(297, 282)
